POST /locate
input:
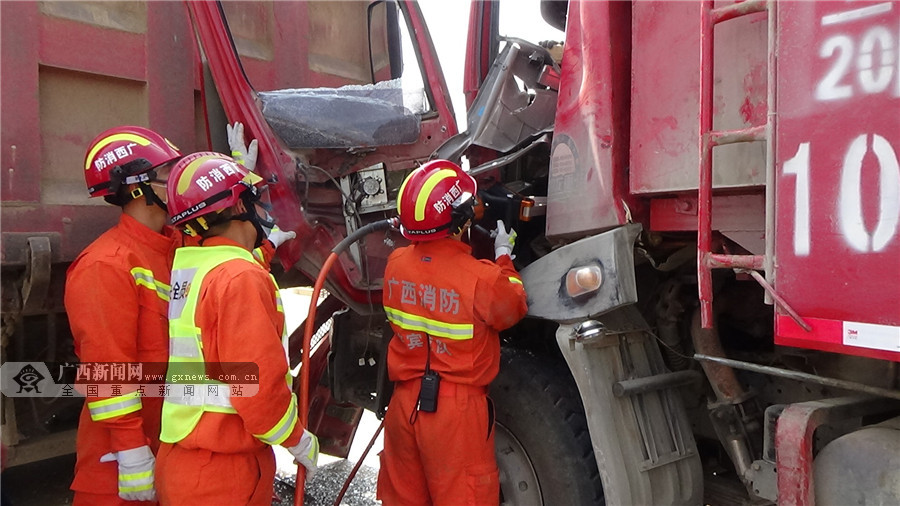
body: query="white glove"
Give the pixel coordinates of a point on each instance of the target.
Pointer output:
(278, 237)
(306, 452)
(135, 473)
(504, 241)
(241, 153)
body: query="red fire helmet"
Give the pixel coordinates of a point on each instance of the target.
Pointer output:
(205, 182)
(121, 155)
(433, 199)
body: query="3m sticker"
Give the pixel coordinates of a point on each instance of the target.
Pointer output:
(868, 335)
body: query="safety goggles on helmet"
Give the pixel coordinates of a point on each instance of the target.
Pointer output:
(266, 222)
(125, 155)
(436, 200)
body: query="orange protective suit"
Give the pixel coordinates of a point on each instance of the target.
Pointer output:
(116, 299)
(221, 461)
(436, 293)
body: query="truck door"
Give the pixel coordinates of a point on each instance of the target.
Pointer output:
(345, 98)
(481, 46)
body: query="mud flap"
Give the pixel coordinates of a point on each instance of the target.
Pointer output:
(645, 451)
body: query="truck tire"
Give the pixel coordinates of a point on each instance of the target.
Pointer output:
(544, 450)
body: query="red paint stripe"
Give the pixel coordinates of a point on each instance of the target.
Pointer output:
(826, 335)
(730, 212)
(78, 46)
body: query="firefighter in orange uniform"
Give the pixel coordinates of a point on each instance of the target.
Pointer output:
(446, 309)
(116, 298)
(225, 310)
(128, 269)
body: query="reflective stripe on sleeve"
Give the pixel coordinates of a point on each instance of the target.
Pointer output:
(408, 321)
(277, 434)
(115, 406)
(144, 277)
(515, 280)
(136, 482)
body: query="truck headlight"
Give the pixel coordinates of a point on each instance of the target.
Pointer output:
(582, 280)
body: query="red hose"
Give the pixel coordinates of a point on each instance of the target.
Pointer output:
(300, 486)
(337, 501)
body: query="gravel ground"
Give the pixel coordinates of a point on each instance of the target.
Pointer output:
(46, 483)
(326, 484)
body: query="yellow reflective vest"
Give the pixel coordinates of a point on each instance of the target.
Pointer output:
(189, 393)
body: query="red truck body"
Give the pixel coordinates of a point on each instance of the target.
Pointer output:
(844, 249)
(762, 137)
(66, 69)
(837, 237)
(69, 71)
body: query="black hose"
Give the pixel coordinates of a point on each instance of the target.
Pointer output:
(368, 229)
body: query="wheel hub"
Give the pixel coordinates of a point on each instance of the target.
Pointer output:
(519, 484)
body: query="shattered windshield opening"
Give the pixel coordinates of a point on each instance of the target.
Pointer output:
(353, 115)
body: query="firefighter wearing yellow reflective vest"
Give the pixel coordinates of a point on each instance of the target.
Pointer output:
(446, 309)
(225, 313)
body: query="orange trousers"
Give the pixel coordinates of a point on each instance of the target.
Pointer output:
(196, 476)
(442, 458)
(89, 499)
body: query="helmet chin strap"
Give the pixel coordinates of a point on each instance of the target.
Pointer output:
(250, 214)
(151, 197)
(461, 215)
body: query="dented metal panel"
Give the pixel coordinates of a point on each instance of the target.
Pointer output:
(545, 279)
(588, 181)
